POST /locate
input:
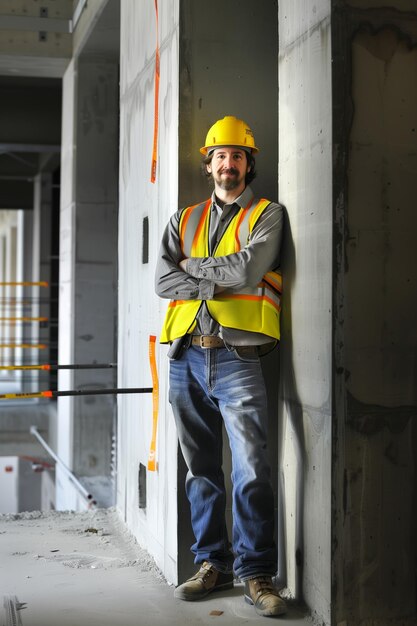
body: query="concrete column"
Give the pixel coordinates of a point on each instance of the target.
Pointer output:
(375, 272)
(305, 187)
(95, 259)
(347, 176)
(64, 492)
(89, 197)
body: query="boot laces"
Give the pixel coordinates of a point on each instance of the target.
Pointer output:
(263, 585)
(205, 571)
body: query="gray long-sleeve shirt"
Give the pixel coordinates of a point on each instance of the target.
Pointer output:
(233, 271)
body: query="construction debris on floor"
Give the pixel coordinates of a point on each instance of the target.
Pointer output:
(85, 569)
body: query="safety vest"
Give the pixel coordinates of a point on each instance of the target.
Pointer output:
(255, 309)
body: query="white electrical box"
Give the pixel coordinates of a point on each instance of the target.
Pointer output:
(9, 484)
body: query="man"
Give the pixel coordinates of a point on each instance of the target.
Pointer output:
(216, 266)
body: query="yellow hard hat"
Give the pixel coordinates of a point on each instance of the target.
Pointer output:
(230, 132)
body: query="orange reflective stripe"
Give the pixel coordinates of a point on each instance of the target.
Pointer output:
(238, 296)
(238, 245)
(185, 216)
(274, 279)
(237, 240)
(188, 223)
(274, 304)
(200, 227)
(174, 303)
(262, 204)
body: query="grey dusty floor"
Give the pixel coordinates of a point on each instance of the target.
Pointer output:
(84, 569)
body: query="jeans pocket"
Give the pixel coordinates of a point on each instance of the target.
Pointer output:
(248, 354)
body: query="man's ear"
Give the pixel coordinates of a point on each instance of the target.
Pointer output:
(208, 167)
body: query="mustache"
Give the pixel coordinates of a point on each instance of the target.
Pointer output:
(230, 170)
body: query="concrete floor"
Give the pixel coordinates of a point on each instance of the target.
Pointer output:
(84, 569)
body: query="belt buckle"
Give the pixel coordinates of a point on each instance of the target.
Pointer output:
(202, 338)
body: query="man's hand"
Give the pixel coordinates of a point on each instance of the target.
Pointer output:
(183, 264)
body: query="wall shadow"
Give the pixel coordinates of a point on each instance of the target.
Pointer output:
(290, 415)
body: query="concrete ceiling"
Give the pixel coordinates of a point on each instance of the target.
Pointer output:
(35, 38)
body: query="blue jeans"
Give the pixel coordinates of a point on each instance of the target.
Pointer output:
(209, 387)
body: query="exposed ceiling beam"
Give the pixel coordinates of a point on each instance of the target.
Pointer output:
(28, 179)
(42, 24)
(77, 13)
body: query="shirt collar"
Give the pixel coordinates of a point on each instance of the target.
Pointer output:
(242, 201)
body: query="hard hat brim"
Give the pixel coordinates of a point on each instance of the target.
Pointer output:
(205, 150)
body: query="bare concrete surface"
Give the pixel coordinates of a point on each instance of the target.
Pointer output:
(85, 569)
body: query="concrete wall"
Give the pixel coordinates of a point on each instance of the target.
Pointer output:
(140, 311)
(305, 187)
(375, 437)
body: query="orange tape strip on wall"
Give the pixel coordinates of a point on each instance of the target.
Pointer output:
(25, 346)
(156, 109)
(42, 283)
(155, 403)
(25, 367)
(36, 394)
(24, 319)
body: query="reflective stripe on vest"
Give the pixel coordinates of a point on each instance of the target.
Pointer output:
(254, 309)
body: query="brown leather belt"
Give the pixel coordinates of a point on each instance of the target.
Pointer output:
(207, 341)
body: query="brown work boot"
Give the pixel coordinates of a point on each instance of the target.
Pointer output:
(262, 594)
(206, 580)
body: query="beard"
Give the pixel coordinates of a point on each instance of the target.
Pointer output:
(231, 182)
